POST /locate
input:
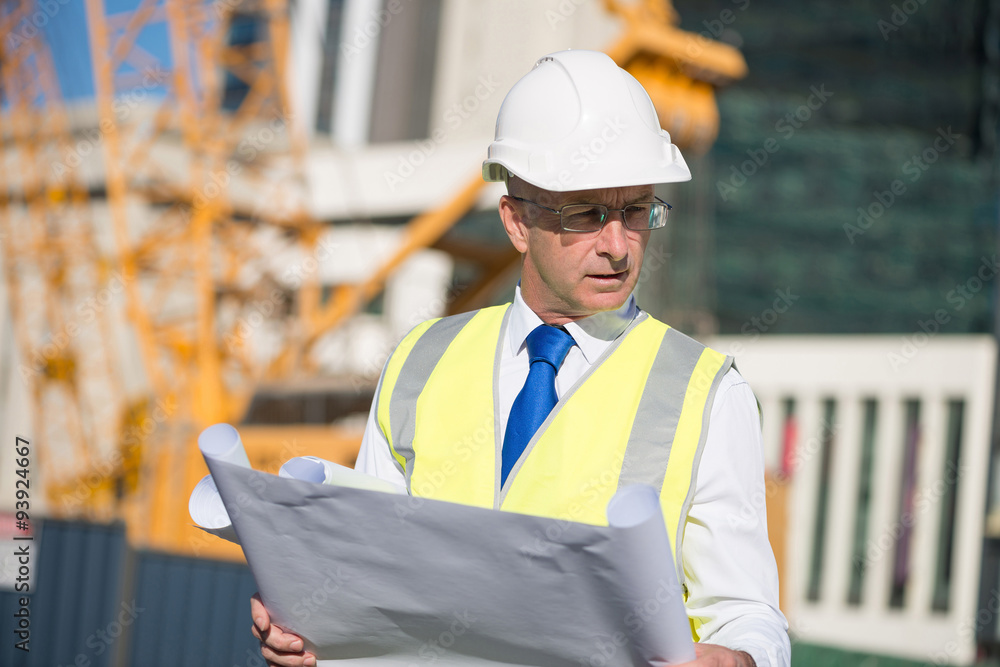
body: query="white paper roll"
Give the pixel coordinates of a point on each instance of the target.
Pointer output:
(222, 442)
(652, 579)
(219, 441)
(305, 468)
(321, 471)
(209, 512)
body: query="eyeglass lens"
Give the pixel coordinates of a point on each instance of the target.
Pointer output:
(591, 217)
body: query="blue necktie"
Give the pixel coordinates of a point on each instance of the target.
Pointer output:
(547, 347)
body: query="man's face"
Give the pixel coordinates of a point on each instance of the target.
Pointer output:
(566, 276)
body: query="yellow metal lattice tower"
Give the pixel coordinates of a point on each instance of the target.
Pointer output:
(194, 244)
(60, 283)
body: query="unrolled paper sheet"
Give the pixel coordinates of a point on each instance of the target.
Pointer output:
(372, 578)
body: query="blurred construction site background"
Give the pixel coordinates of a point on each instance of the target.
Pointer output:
(231, 210)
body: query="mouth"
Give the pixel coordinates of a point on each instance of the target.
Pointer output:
(608, 278)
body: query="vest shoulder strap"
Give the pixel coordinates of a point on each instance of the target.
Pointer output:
(414, 359)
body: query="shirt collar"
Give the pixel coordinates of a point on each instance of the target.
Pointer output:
(591, 334)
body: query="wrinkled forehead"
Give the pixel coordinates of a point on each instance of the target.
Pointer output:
(611, 197)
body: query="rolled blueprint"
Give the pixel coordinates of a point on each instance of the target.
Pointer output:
(650, 583)
(381, 579)
(208, 512)
(320, 471)
(305, 468)
(222, 442)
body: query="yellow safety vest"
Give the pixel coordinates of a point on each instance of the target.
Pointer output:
(638, 416)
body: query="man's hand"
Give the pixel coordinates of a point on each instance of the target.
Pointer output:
(279, 648)
(710, 655)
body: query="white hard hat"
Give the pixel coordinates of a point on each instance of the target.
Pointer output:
(577, 121)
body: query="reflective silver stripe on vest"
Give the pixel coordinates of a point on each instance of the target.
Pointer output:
(416, 370)
(709, 402)
(652, 435)
(648, 450)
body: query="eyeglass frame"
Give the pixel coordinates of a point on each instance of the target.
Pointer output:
(607, 215)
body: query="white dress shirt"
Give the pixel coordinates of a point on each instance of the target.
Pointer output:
(729, 568)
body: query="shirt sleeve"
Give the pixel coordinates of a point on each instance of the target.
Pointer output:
(730, 572)
(375, 457)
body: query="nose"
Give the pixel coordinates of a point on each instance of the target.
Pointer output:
(612, 240)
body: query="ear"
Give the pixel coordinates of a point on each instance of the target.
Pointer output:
(514, 224)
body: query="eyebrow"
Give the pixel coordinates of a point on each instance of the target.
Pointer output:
(629, 202)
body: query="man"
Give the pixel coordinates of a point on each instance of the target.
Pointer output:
(572, 388)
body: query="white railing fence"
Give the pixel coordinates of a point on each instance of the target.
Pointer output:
(885, 442)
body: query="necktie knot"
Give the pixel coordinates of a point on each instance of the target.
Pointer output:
(548, 344)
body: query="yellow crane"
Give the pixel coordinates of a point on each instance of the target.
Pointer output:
(178, 255)
(60, 281)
